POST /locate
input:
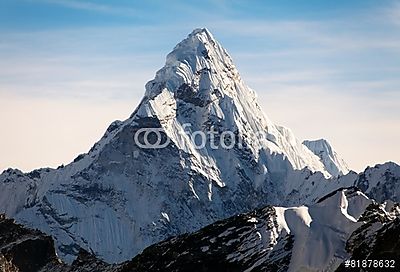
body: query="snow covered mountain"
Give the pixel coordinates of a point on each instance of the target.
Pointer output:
(334, 164)
(124, 194)
(381, 182)
(319, 237)
(345, 224)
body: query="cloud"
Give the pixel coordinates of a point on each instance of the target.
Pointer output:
(85, 63)
(392, 13)
(334, 35)
(96, 7)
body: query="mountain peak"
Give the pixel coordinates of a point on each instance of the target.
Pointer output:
(199, 45)
(200, 30)
(331, 160)
(198, 61)
(204, 32)
(200, 37)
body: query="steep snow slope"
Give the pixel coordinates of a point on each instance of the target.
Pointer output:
(322, 229)
(305, 238)
(377, 239)
(121, 197)
(334, 164)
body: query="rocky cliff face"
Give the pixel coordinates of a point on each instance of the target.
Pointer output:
(23, 249)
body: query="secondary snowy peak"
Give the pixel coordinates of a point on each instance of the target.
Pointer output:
(333, 163)
(381, 182)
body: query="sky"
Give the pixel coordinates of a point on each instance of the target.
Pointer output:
(325, 69)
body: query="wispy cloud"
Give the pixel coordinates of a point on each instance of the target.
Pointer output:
(392, 13)
(96, 7)
(330, 34)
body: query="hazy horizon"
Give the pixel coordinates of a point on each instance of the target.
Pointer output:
(70, 68)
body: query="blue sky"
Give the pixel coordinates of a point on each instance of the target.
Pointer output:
(39, 14)
(326, 69)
